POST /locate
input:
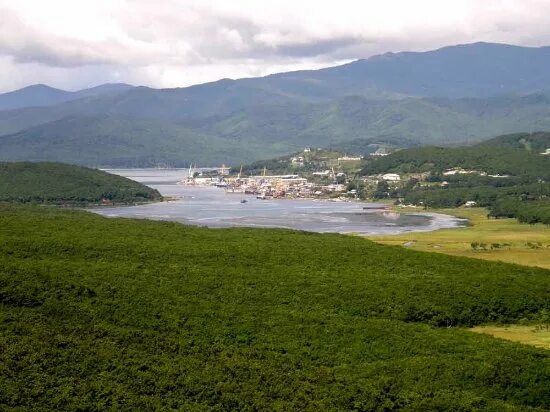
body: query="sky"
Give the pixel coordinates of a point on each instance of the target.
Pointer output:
(74, 44)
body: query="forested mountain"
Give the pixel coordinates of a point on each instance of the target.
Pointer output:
(448, 96)
(42, 95)
(122, 141)
(253, 133)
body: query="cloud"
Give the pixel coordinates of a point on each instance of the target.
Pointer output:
(171, 43)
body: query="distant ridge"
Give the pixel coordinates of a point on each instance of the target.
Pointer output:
(449, 96)
(39, 95)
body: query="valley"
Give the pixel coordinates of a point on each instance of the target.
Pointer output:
(367, 236)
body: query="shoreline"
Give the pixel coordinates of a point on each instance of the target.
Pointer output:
(436, 221)
(504, 240)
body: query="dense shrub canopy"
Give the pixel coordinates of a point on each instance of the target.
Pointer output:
(124, 314)
(45, 182)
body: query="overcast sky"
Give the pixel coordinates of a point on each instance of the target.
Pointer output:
(74, 44)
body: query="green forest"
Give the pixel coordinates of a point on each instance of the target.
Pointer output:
(100, 313)
(58, 183)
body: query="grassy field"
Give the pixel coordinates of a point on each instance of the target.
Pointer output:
(530, 335)
(121, 314)
(519, 243)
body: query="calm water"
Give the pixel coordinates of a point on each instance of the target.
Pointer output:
(209, 206)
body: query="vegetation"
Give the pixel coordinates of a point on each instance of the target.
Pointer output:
(27, 182)
(489, 159)
(508, 175)
(387, 99)
(492, 239)
(532, 142)
(367, 146)
(100, 313)
(536, 335)
(525, 212)
(306, 162)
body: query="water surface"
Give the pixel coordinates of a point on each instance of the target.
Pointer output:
(210, 206)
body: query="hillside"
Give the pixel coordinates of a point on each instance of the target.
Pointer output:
(505, 155)
(126, 314)
(507, 174)
(126, 142)
(454, 95)
(536, 142)
(250, 133)
(58, 183)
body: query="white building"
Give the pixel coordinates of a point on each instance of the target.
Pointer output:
(297, 161)
(391, 177)
(349, 158)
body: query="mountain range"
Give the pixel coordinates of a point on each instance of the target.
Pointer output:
(451, 96)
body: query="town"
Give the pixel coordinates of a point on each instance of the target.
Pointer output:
(315, 173)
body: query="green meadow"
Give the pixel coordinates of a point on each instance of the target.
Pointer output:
(504, 240)
(122, 314)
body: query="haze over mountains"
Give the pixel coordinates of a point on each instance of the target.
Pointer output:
(448, 96)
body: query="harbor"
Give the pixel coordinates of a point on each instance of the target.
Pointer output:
(207, 205)
(265, 187)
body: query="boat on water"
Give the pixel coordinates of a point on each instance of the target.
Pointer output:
(376, 207)
(235, 190)
(264, 197)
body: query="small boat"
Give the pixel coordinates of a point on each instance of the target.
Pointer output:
(244, 201)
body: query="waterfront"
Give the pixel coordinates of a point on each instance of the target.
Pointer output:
(213, 207)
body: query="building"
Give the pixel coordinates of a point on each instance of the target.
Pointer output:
(391, 177)
(460, 171)
(349, 158)
(297, 161)
(223, 170)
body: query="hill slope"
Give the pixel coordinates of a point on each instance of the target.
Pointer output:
(61, 183)
(255, 132)
(35, 95)
(127, 314)
(126, 142)
(469, 70)
(506, 155)
(507, 174)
